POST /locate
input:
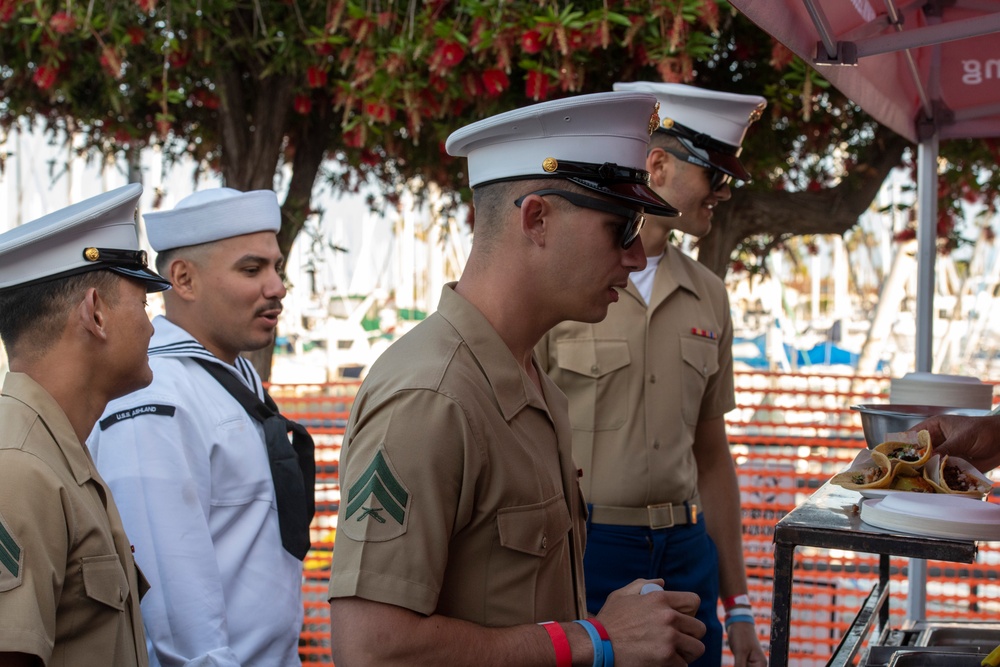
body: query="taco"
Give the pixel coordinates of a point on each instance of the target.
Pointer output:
(913, 484)
(913, 449)
(871, 470)
(950, 474)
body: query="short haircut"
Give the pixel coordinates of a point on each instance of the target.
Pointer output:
(194, 253)
(32, 317)
(664, 140)
(492, 200)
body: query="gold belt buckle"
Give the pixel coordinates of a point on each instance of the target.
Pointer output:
(694, 514)
(670, 510)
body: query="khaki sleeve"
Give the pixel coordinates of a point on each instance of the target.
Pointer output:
(408, 473)
(33, 546)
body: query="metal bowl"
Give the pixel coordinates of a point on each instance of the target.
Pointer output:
(879, 419)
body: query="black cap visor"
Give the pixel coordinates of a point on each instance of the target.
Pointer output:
(153, 281)
(725, 162)
(719, 154)
(637, 194)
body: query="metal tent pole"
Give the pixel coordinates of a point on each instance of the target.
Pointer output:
(927, 156)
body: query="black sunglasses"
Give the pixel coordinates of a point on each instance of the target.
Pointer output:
(634, 219)
(716, 177)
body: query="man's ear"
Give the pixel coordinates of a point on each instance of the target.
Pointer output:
(660, 164)
(91, 314)
(183, 276)
(534, 211)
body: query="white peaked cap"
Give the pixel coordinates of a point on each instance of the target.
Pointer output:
(598, 141)
(719, 119)
(96, 233)
(213, 215)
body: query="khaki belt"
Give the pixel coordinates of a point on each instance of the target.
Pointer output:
(665, 515)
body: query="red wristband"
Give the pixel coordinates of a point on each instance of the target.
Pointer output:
(600, 628)
(564, 656)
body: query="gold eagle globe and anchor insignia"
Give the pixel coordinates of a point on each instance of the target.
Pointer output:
(91, 254)
(550, 164)
(654, 119)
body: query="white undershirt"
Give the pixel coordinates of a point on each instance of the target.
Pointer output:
(643, 280)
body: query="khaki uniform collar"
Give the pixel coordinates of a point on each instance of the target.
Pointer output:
(509, 382)
(672, 274)
(22, 388)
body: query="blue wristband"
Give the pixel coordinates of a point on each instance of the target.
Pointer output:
(738, 618)
(595, 640)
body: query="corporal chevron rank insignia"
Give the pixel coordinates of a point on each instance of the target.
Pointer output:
(377, 503)
(11, 559)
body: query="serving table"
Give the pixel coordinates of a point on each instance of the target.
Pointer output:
(831, 519)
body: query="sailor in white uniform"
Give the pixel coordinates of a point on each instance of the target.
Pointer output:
(188, 462)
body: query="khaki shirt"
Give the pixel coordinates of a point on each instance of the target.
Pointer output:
(458, 491)
(69, 588)
(639, 382)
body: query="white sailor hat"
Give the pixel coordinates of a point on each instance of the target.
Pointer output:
(213, 215)
(710, 124)
(597, 141)
(96, 233)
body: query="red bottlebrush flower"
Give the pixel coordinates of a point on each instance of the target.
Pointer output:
(709, 13)
(136, 35)
(495, 81)
(781, 56)
(446, 56)
(205, 98)
(7, 9)
(62, 23)
(369, 158)
(316, 76)
(575, 40)
(537, 86)
(44, 77)
(354, 138)
(385, 19)
(814, 186)
(302, 104)
(146, 5)
(945, 224)
(470, 83)
(323, 49)
(379, 112)
(178, 59)
(531, 42)
(738, 266)
(111, 62)
(905, 235)
(122, 136)
(478, 30)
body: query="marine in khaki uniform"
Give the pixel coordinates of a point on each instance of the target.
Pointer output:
(649, 386)
(73, 287)
(460, 536)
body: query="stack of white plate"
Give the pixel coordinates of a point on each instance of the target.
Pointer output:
(934, 515)
(950, 391)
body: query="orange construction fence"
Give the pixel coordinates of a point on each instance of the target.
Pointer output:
(789, 434)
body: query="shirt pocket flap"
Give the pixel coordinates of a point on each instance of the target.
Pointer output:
(104, 580)
(701, 354)
(590, 357)
(534, 529)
